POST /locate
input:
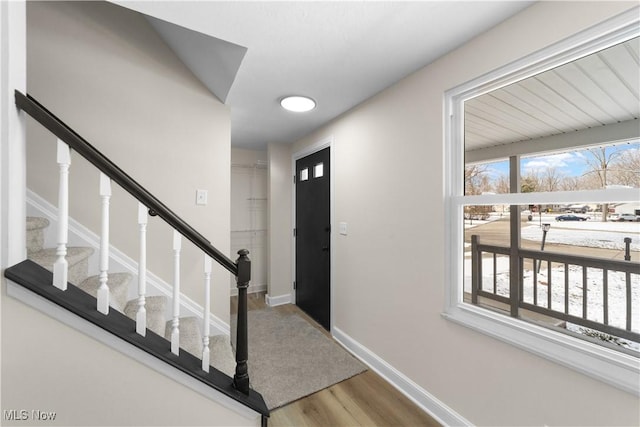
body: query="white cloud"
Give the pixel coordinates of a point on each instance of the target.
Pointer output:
(559, 161)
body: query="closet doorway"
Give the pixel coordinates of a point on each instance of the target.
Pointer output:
(249, 213)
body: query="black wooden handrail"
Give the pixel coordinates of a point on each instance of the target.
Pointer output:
(42, 115)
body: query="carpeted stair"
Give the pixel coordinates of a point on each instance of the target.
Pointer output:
(118, 288)
(77, 257)
(156, 307)
(190, 336)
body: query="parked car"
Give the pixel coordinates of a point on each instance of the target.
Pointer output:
(628, 217)
(571, 218)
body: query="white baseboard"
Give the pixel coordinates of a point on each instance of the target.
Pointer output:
(79, 235)
(279, 300)
(252, 289)
(429, 403)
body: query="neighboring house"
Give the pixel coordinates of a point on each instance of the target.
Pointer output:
(628, 208)
(118, 84)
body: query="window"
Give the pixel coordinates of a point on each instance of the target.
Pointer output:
(535, 149)
(318, 170)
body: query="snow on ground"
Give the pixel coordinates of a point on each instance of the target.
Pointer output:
(616, 291)
(591, 233)
(607, 239)
(471, 223)
(626, 227)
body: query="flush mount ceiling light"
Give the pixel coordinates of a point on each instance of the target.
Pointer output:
(298, 104)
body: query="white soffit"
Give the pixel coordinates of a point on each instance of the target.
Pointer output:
(215, 62)
(583, 98)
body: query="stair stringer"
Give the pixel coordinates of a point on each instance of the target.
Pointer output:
(79, 235)
(56, 312)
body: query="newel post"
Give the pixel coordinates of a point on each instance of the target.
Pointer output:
(241, 378)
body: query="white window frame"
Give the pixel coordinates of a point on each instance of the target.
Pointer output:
(610, 366)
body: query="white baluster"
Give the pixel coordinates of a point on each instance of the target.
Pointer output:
(141, 315)
(61, 267)
(103, 290)
(175, 324)
(205, 314)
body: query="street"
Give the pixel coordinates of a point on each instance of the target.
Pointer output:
(497, 232)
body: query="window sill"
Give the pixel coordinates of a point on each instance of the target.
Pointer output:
(609, 366)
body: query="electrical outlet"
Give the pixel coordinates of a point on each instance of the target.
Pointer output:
(201, 197)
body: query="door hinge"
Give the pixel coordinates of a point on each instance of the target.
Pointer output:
(295, 232)
(294, 179)
(295, 285)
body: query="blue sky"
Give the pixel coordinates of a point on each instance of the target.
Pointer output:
(570, 163)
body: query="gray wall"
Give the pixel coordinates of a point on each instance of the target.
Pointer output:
(280, 226)
(49, 366)
(389, 269)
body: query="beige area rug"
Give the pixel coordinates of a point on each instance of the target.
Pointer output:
(290, 359)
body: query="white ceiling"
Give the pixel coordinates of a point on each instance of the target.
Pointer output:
(339, 53)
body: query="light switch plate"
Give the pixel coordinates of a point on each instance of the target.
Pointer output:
(201, 197)
(343, 228)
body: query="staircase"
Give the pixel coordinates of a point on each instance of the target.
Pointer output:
(156, 306)
(152, 323)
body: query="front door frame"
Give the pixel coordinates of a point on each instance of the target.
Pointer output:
(327, 142)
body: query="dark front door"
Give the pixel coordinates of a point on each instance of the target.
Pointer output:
(313, 231)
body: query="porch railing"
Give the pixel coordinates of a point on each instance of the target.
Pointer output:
(68, 140)
(560, 286)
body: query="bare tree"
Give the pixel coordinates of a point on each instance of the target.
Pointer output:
(625, 170)
(550, 179)
(476, 179)
(570, 183)
(599, 162)
(589, 181)
(501, 184)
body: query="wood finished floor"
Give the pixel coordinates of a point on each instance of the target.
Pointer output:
(363, 400)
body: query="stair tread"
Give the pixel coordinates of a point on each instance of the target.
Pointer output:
(155, 306)
(35, 233)
(190, 335)
(189, 325)
(151, 303)
(46, 257)
(118, 288)
(221, 354)
(36, 223)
